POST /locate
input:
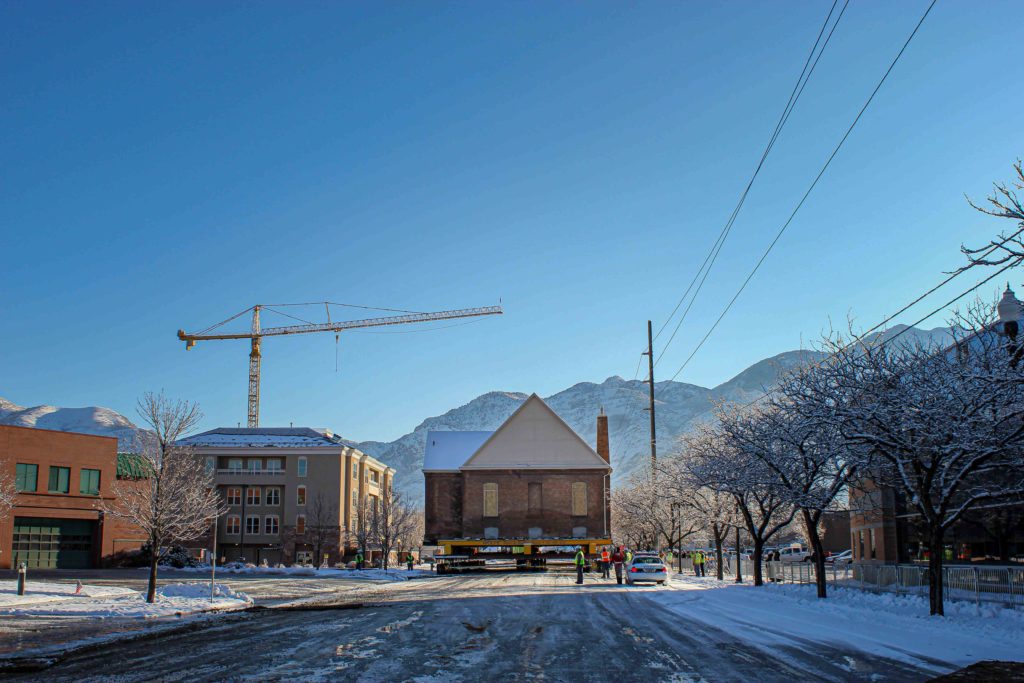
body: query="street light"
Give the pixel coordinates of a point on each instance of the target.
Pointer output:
(739, 574)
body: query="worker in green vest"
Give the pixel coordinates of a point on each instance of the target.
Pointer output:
(359, 560)
(580, 561)
(629, 556)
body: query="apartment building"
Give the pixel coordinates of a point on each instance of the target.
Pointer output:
(62, 479)
(292, 494)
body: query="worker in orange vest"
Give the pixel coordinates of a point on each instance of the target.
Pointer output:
(606, 560)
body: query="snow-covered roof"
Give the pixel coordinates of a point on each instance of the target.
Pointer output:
(264, 437)
(447, 451)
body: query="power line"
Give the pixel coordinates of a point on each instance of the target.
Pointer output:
(716, 248)
(803, 199)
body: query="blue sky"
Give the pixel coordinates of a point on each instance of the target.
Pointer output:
(168, 166)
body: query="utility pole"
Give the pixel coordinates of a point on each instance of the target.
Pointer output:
(650, 381)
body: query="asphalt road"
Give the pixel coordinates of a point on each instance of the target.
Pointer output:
(500, 627)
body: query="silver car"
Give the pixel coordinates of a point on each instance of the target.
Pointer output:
(646, 568)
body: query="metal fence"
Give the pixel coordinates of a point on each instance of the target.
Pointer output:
(984, 584)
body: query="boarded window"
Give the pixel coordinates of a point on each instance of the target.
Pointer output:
(536, 504)
(579, 499)
(490, 500)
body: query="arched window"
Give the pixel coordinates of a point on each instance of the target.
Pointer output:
(302, 467)
(300, 525)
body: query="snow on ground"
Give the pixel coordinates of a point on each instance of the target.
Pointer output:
(775, 616)
(105, 602)
(38, 592)
(365, 574)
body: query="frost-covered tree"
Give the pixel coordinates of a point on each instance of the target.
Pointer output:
(175, 499)
(323, 528)
(713, 511)
(723, 463)
(394, 520)
(1008, 247)
(944, 427)
(642, 515)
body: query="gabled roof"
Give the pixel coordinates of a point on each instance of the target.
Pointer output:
(535, 437)
(264, 437)
(447, 451)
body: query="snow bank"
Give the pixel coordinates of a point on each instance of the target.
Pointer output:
(106, 602)
(778, 616)
(365, 574)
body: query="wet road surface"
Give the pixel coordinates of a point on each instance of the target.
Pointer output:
(500, 627)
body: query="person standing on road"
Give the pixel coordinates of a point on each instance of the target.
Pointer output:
(580, 561)
(359, 560)
(605, 562)
(409, 561)
(618, 557)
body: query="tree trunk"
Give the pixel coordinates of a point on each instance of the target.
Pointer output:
(758, 549)
(154, 560)
(718, 551)
(935, 550)
(814, 537)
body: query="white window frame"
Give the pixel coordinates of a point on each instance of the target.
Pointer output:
(236, 464)
(254, 466)
(228, 497)
(274, 465)
(276, 491)
(211, 464)
(267, 525)
(250, 518)
(254, 500)
(300, 500)
(302, 469)
(237, 519)
(490, 510)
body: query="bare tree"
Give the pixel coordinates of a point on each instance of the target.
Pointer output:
(643, 516)
(723, 463)
(942, 427)
(176, 500)
(413, 535)
(393, 521)
(1008, 248)
(362, 527)
(7, 490)
(323, 528)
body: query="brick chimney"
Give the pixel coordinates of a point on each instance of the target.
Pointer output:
(602, 437)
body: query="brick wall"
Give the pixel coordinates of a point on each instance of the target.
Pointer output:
(442, 506)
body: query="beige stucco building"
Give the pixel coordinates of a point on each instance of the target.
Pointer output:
(290, 493)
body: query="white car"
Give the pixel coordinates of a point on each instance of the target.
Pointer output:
(646, 568)
(794, 554)
(840, 560)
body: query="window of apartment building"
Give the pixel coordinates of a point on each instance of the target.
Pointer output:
(26, 476)
(374, 477)
(300, 525)
(255, 465)
(271, 524)
(273, 496)
(234, 495)
(300, 495)
(490, 500)
(302, 467)
(355, 470)
(234, 525)
(252, 495)
(211, 464)
(355, 499)
(534, 497)
(89, 482)
(871, 539)
(579, 498)
(59, 479)
(252, 524)
(235, 464)
(274, 465)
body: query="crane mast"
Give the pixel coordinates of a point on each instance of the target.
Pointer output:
(258, 332)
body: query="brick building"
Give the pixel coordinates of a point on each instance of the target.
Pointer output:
(62, 480)
(289, 492)
(532, 479)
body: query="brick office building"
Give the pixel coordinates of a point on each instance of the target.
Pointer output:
(62, 480)
(533, 479)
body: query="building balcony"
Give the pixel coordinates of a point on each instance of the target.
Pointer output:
(250, 476)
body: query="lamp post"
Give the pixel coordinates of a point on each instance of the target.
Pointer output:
(739, 573)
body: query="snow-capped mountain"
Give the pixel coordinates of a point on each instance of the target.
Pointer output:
(90, 420)
(679, 407)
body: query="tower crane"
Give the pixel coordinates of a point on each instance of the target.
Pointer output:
(257, 333)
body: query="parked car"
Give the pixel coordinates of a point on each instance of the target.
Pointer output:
(840, 559)
(794, 554)
(646, 567)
